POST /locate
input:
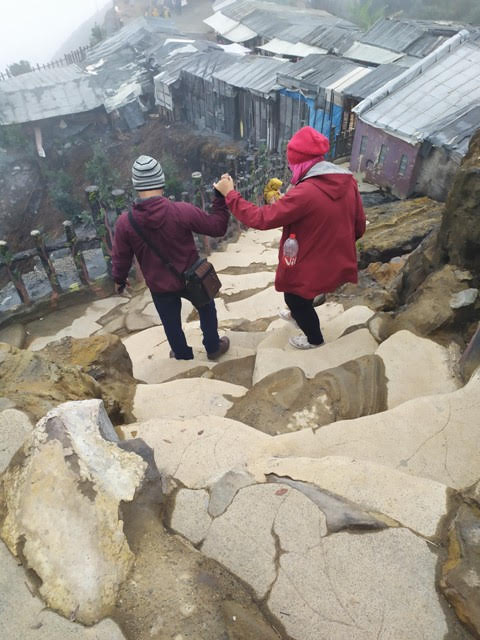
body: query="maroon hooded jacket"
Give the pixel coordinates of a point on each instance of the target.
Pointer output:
(169, 226)
(325, 212)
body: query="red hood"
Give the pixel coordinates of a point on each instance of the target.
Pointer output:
(334, 185)
(151, 212)
(332, 179)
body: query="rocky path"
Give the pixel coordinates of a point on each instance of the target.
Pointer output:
(339, 485)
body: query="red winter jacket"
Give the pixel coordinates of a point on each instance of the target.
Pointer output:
(169, 225)
(326, 214)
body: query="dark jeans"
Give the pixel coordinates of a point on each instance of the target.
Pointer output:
(304, 315)
(169, 306)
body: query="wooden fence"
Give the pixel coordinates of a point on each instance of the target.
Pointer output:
(74, 57)
(250, 171)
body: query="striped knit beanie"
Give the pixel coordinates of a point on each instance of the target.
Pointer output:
(147, 174)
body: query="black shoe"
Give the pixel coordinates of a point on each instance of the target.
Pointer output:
(223, 347)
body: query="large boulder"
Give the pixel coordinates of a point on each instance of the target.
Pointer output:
(59, 509)
(460, 231)
(460, 580)
(396, 228)
(287, 400)
(106, 360)
(36, 384)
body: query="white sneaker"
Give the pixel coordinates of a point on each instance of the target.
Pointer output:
(286, 314)
(301, 342)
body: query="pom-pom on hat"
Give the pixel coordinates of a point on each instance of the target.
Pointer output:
(147, 174)
(305, 145)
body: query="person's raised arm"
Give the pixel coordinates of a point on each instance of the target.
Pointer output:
(210, 224)
(288, 209)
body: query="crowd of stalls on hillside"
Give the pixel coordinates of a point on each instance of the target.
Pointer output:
(400, 100)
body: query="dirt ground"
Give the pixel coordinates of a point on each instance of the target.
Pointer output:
(175, 593)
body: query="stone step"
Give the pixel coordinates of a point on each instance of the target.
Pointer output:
(275, 353)
(415, 367)
(185, 398)
(436, 437)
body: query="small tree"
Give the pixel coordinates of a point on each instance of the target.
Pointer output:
(99, 171)
(17, 68)
(60, 186)
(97, 34)
(365, 13)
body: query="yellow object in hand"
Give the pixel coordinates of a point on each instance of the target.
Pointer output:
(272, 192)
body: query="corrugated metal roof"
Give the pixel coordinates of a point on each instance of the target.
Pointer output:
(269, 20)
(137, 33)
(455, 132)
(220, 23)
(284, 48)
(240, 33)
(395, 35)
(432, 90)
(369, 83)
(334, 38)
(257, 74)
(47, 94)
(403, 35)
(318, 72)
(427, 43)
(370, 54)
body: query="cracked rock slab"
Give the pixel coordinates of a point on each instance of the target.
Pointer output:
(150, 354)
(185, 398)
(190, 517)
(196, 451)
(434, 437)
(225, 488)
(275, 353)
(360, 587)
(416, 503)
(415, 367)
(60, 513)
(242, 539)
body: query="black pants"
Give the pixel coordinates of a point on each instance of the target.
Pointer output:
(304, 315)
(169, 306)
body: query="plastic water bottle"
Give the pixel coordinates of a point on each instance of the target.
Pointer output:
(290, 250)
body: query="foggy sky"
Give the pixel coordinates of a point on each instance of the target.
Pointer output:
(34, 29)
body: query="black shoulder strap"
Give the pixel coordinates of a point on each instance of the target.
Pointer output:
(155, 250)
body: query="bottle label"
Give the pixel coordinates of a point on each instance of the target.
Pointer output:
(290, 261)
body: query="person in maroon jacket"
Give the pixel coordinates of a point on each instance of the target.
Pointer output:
(169, 226)
(324, 210)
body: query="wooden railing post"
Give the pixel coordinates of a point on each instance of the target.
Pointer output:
(77, 255)
(119, 201)
(45, 260)
(100, 222)
(14, 274)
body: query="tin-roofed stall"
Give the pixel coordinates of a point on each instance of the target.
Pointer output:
(402, 41)
(248, 99)
(258, 23)
(39, 95)
(443, 151)
(313, 93)
(396, 120)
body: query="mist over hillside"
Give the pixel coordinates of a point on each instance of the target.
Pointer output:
(81, 36)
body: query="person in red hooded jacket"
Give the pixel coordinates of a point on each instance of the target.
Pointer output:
(324, 210)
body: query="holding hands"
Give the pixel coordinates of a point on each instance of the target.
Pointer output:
(225, 184)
